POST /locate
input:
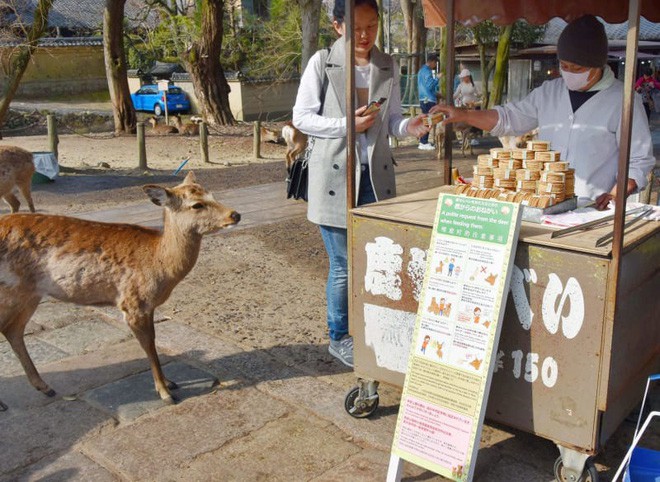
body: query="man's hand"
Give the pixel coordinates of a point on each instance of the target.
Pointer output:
(481, 119)
(452, 114)
(604, 199)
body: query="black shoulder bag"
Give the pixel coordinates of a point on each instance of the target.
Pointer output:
(297, 175)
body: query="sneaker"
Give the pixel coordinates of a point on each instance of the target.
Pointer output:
(426, 147)
(342, 350)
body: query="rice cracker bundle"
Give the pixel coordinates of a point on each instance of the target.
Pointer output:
(500, 153)
(538, 145)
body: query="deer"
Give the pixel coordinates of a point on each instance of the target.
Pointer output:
(187, 129)
(16, 170)
(161, 130)
(93, 263)
(296, 143)
(464, 132)
(515, 142)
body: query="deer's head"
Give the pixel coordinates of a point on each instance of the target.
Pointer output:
(192, 208)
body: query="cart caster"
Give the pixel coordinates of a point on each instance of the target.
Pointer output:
(589, 474)
(362, 401)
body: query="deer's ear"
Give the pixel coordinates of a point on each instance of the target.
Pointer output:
(160, 196)
(190, 178)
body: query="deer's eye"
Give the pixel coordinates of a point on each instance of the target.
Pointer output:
(198, 206)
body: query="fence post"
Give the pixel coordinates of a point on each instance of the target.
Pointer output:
(142, 150)
(204, 142)
(53, 139)
(256, 146)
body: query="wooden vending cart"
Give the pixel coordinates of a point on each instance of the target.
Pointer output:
(580, 331)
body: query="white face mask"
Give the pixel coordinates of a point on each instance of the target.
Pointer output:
(575, 81)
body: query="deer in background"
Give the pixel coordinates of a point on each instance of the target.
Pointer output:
(16, 170)
(296, 143)
(187, 129)
(160, 129)
(92, 263)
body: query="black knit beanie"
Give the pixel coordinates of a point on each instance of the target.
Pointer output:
(583, 42)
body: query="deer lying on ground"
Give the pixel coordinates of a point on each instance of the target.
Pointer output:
(296, 143)
(187, 129)
(93, 263)
(16, 169)
(161, 129)
(269, 134)
(516, 142)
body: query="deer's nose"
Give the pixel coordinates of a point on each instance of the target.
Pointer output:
(235, 216)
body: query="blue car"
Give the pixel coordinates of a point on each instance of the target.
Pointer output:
(149, 98)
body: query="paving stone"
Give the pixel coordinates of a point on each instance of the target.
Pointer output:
(157, 446)
(52, 314)
(134, 396)
(309, 449)
(74, 375)
(66, 467)
(327, 402)
(371, 465)
(40, 352)
(83, 336)
(29, 436)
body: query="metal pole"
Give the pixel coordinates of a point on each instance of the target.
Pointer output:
(350, 143)
(350, 105)
(389, 26)
(449, 80)
(634, 8)
(142, 150)
(53, 139)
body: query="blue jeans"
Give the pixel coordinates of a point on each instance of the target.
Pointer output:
(426, 107)
(336, 245)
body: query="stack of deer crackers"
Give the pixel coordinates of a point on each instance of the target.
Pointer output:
(534, 176)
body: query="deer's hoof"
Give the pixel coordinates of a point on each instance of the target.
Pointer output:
(3, 407)
(49, 392)
(172, 385)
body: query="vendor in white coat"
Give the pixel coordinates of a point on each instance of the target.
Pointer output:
(580, 114)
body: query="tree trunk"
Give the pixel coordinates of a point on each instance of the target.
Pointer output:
(310, 10)
(381, 31)
(418, 37)
(501, 64)
(202, 61)
(115, 67)
(19, 64)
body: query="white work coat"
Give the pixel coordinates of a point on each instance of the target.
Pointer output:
(588, 139)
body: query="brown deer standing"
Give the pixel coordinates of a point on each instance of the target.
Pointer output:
(16, 169)
(296, 143)
(93, 263)
(161, 129)
(187, 129)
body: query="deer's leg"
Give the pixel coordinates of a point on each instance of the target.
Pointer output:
(13, 327)
(26, 190)
(12, 200)
(142, 325)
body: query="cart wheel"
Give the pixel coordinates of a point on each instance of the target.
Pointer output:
(158, 110)
(590, 474)
(359, 408)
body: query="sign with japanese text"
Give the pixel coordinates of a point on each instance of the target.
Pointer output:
(454, 343)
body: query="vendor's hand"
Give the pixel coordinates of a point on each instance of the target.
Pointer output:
(452, 114)
(604, 199)
(364, 122)
(416, 126)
